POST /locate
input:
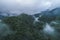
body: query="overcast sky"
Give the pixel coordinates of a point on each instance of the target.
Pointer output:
(27, 6)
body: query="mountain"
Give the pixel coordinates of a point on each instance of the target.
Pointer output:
(1, 16)
(30, 27)
(43, 16)
(6, 14)
(52, 12)
(48, 15)
(56, 11)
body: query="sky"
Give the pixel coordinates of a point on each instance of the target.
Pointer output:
(27, 6)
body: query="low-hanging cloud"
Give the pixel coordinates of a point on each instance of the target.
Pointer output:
(27, 6)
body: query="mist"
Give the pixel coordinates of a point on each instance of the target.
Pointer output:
(49, 29)
(31, 7)
(5, 30)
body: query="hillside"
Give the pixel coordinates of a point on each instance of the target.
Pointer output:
(34, 27)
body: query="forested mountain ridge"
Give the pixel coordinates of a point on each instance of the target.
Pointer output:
(30, 27)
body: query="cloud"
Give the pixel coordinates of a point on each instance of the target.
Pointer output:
(28, 6)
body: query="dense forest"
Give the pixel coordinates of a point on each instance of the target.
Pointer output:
(30, 27)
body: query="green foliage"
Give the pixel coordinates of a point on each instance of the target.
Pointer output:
(46, 19)
(24, 28)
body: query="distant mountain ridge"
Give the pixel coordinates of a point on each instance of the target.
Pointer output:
(48, 13)
(53, 12)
